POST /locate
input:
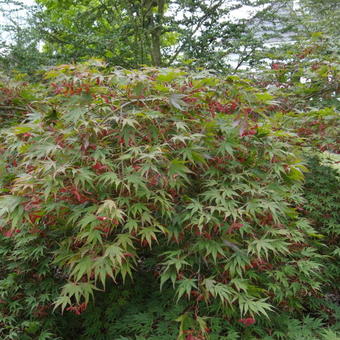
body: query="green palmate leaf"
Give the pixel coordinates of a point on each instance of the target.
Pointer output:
(125, 240)
(92, 237)
(248, 305)
(218, 290)
(110, 178)
(178, 168)
(210, 248)
(148, 234)
(75, 114)
(265, 246)
(9, 204)
(175, 260)
(240, 284)
(102, 268)
(75, 291)
(115, 254)
(169, 76)
(110, 209)
(185, 286)
(83, 267)
(176, 101)
(83, 177)
(168, 275)
(237, 263)
(89, 221)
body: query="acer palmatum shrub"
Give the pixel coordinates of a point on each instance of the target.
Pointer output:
(111, 174)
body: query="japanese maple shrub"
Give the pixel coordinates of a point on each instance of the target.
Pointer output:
(114, 172)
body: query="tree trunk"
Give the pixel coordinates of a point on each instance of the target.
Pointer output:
(155, 29)
(156, 47)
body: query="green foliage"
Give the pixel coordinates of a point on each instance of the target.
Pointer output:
(214, 34)
(14, 96)
(134, 33)
(181, 175)
(315, 16)
(20, 42)
(140, 311)
(29, 285)
(304, 79)
(322, 207)
(163, 203)
(137, 311)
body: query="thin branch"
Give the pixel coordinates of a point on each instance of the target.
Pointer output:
(7, 107)
(242, 59)
(198, 26)
(231, 245)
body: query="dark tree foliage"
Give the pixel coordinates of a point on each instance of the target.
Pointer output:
(134, 33)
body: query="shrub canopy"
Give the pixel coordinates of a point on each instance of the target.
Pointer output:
(183, 175)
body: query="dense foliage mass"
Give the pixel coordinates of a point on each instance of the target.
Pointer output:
(215, 34)
(116, 184)
(164, 203)
(126, 33)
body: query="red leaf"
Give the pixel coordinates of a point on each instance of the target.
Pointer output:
(248, 321)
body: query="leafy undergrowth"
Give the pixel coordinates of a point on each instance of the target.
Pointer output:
(322, 207)
(159, 204)
(16, 95)
(140, 311)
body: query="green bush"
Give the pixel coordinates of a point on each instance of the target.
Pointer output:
(15, 95)
(112, 175)
(322, 207)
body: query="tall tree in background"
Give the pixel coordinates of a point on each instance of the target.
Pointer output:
(155, 32)
(144, 32)
(19, 39)
(320, 15)
(132, 33)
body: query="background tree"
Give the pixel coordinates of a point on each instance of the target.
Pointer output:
(19, 39)
(134, 33)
